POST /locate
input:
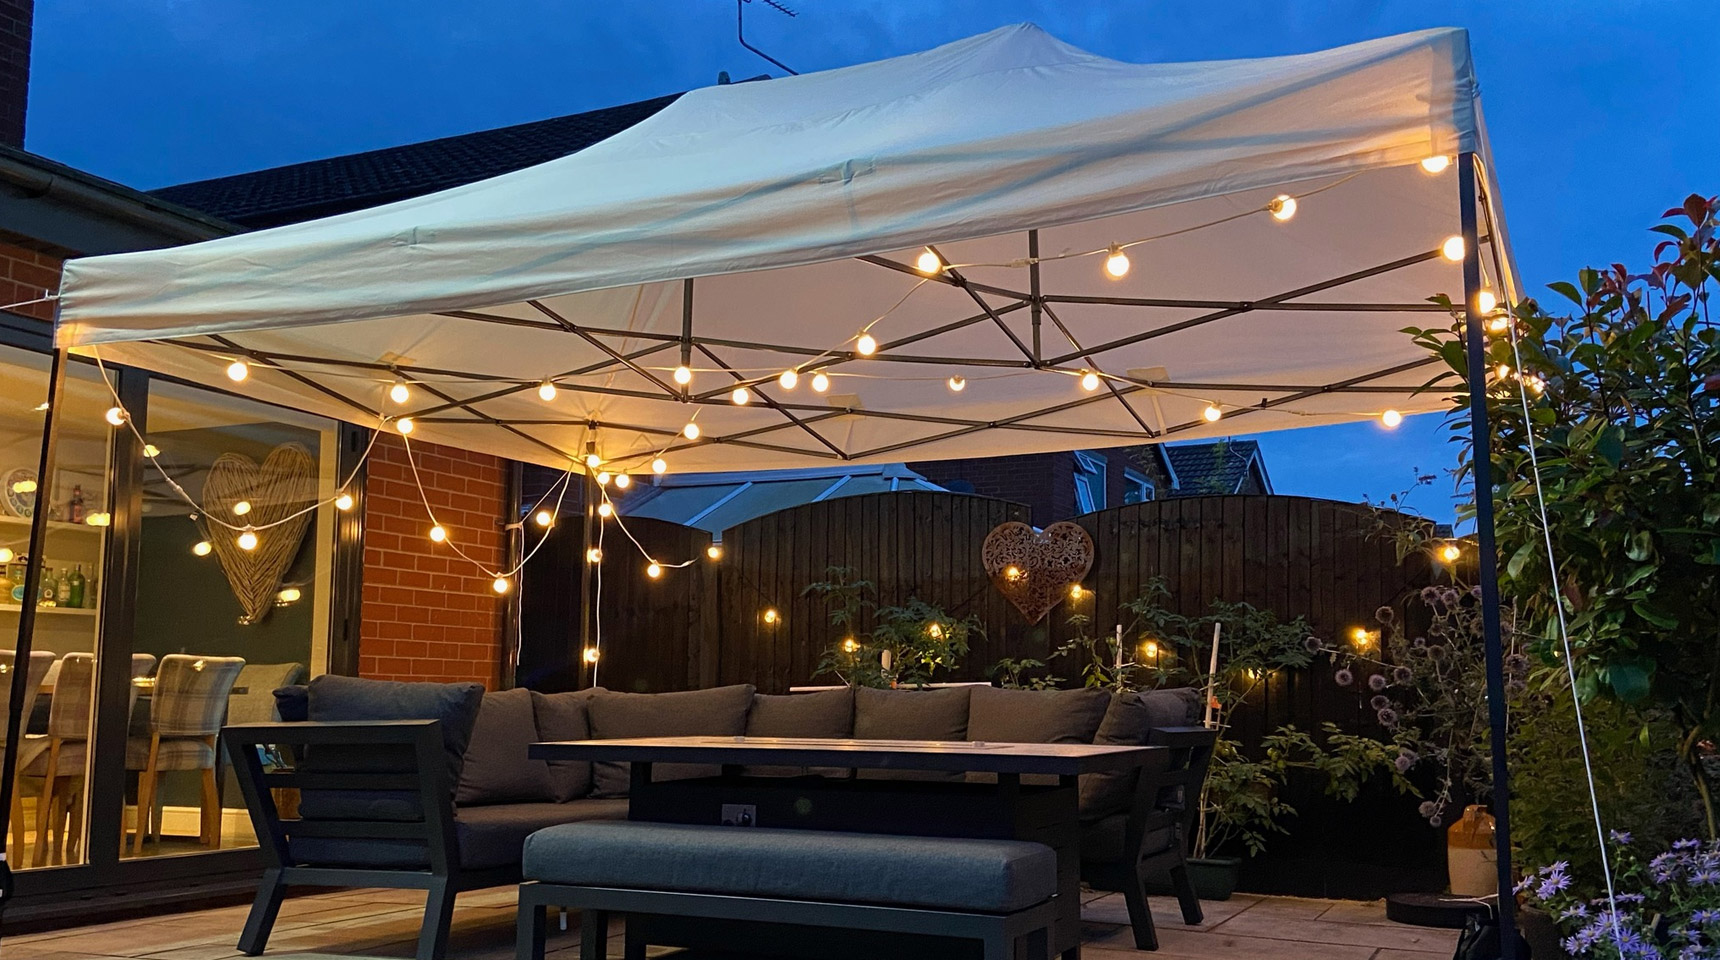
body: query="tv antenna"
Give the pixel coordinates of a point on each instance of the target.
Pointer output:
(741, 29)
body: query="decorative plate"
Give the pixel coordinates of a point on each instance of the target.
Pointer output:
(18, 504)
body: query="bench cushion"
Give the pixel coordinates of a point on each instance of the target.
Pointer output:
(982, 876)
(490, 836)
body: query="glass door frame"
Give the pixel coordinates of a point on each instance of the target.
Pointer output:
(104, 879)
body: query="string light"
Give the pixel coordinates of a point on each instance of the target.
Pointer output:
(788, 379)
(343, 502)
(1436, 163)
(439, 533)
(1212, 413)
(399, 392)
(849, 645)
(928, 262)
(603, 479)
(501, 585)
(404, 425)
(115, 416)
(957, 384)
(653, 570)
(238, 370)
(202, 548)
(1360, 637)
(683, 376)
(1452, 249)
(866, 344)
(1499, 324)
(544, 518)
(1503, 371)
(241, 508)
(289, 595)
(248, 539)
(714, 551)
(935, 631)
(151, 451)
(593, 461)
(741, 397)
(820, 382)
(1391, 418)
(770, 615)
(623, 481)
(546, 391)
(1117, 262)
(594, 555)
(24, 486)
(690, 431)
(1152, 648)
(659, 466)
(1075, 591)
(590, 655)
(1486, 301)
(1450, 553)
(6, 555)
(1012, 572)
(606, 509)
(1089, 381)
(99, 519)
(1283, 207)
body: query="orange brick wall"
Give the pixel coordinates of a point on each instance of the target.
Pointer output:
(28, 275)
(428, 614)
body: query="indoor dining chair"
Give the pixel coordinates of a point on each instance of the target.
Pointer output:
(36, 672)
(187, 707)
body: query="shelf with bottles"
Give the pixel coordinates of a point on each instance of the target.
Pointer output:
(22, 524)
(14, 609)
(65, 585)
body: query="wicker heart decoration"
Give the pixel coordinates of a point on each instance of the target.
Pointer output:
(1035, 569)
(283, 486)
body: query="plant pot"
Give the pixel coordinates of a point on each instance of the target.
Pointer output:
(1214, 878)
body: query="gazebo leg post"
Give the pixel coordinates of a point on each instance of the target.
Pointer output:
(1481, 436)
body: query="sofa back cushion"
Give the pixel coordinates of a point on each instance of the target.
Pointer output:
(1131, 716)
(1034, 716)
(719, 712)
(498, 768)
(825, 714)
(910, 715)
(566, 716)
(335, 698)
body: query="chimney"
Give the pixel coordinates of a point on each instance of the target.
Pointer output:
(15, 18)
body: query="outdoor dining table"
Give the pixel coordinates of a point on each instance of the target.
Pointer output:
(1004, 808)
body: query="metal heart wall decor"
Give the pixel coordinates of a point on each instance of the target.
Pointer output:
(281, 489)
(1034, 569)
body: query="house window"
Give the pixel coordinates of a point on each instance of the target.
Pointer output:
(1136, 487)
(1089, 482)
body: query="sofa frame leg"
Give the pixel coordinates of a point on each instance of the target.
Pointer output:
(438, 917)
(1140, 914)
(1186, 897)
(261, 921)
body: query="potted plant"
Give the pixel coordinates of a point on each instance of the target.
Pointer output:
(906, 644)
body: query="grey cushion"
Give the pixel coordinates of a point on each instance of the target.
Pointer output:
(565, 716)
(825, 714)
(910, 715)
(719, 712)
(293, 703)
(1034, 716)
(490, 836)
(1102, 840)
(1131, 716)
(498, 768)
(991, 876)
(352, 698)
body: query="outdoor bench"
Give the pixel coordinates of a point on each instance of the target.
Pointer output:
(998, 892)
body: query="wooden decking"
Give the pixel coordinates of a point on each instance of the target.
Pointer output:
(384, 923)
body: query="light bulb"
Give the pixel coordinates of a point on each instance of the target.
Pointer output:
(438, 533)
(605, 509)
(741, 397)
(623, 481)
(849, 645)
(1452, 249)
(501, 585)
(289, 595)
(683, 376)
(248, 540)
(1436, 163)
(1503, 371)
(690, 431)
(866, 344)
(603, 479)
(546, 391)
(202, 548)
(594, 555)
(1089, 381)
(958, 384)
(544, 518)
(1012, 572)
(1212, 413)
(99, 519)
(653, 570)
(6, 555)
(1485, 301)
(770, 615)
(820, 382)
(343, 502)
(1117, 262)
(399, 392)
(1499, 324)
(714, 551)
(115, 416)
(24, 486)
(593, 461)
(788, 379)
(1075, 591)
(238, 370)
(1450, 553)
(1391, 418)
(151, 451)
(1283, 207)
(929, 262)
(404, 425)
(590, 655)
(659, 466)
(241, 508)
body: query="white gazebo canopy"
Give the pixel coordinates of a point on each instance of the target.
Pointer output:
(751, 229)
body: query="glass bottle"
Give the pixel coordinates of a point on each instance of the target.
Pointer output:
(75, 505)
(74, 589)
(50, 587)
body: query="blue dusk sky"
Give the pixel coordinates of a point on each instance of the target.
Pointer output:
(1596, 107)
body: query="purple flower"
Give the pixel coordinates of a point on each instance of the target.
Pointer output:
(1475, 592)
(1376, 682)
(1629, 898)
(1429, 594)
(1435, 822)
(1705, 877)
(1619, 836)
(1516, 663)
(1702, 918)
(1402, 674)
(1403, 762)
(1436, 651)
(1664, 868)
(1418, 642)
(1312, 645)
(1344, 677)
(1578, 912)
(1385, 615)
(1428, 808)
(1387, 717)
(1688, 843)
(1379, 701)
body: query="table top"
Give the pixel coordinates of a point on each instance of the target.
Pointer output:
(1065, 759)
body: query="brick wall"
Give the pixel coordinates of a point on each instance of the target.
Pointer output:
(15, 20)
(1045, 482)
(27, 275)
(429, 615)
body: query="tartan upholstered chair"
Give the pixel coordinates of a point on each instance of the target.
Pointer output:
(37, 671)
(185, 714)
(58, 759)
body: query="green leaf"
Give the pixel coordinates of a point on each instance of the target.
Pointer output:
(1610, 445)
(1654, 616)
(1520, 559)
(1568, 289)
(1629, 681)
(1640, 546)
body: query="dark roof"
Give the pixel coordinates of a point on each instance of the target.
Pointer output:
(1218, 467)
(320, 188)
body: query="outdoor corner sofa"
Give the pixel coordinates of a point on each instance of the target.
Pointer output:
(429, 786)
